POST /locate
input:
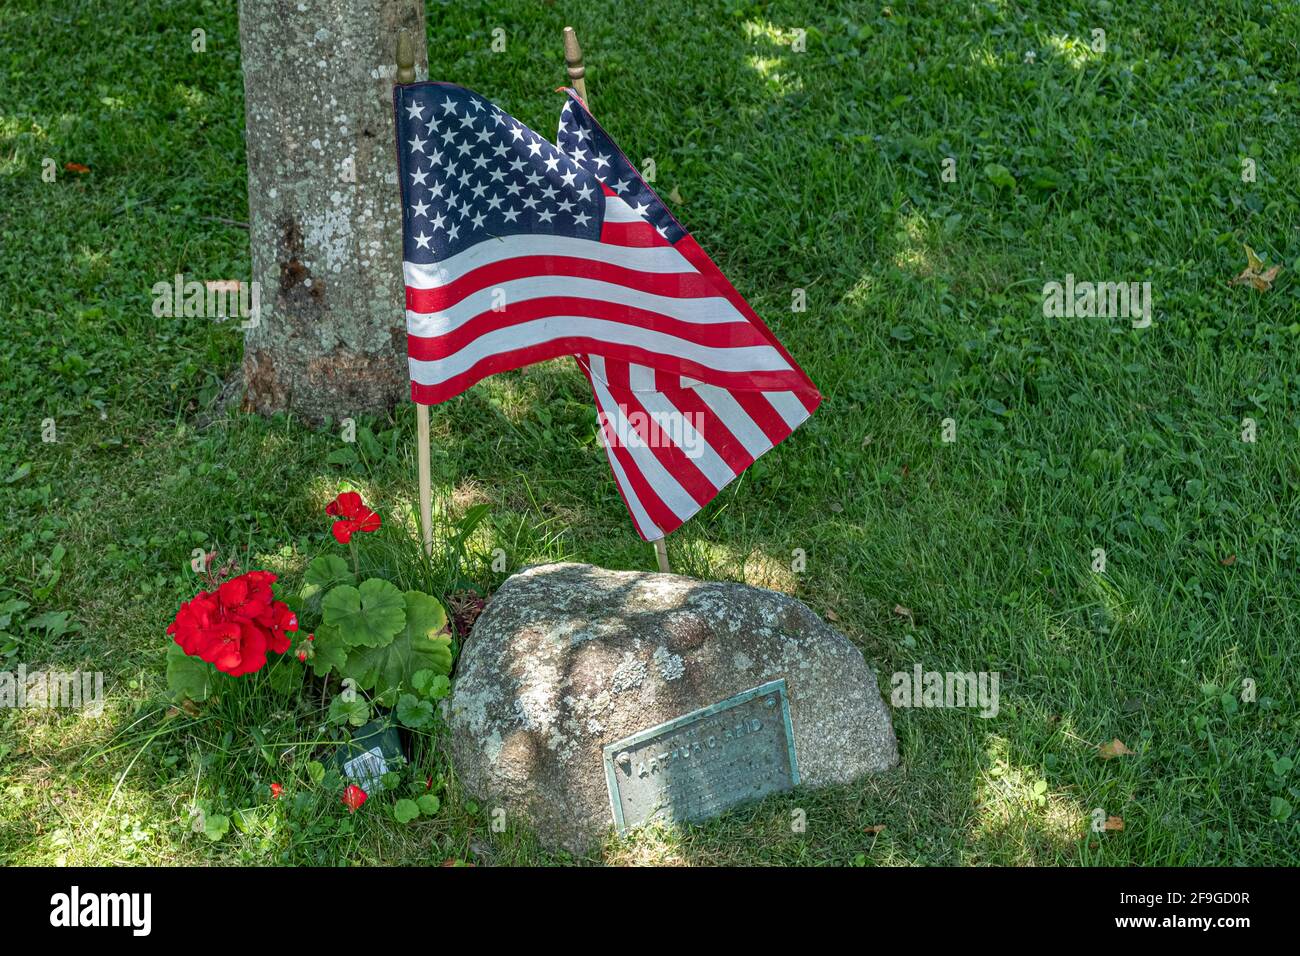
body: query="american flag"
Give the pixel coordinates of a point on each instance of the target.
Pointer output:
(518, 250)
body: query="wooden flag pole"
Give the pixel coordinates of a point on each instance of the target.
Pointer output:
(578, 80)
(661, 552)
(406, 74)
(573, 61)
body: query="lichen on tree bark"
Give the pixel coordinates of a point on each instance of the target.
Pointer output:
(324, 212)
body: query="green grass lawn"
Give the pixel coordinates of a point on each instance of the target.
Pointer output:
(816, 170)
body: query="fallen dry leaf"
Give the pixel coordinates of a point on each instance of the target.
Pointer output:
(1255, 274)
(1113, 823)
(874, 828)
(675, 197)
(905, 612)
(1113, 749)
(831, 615)
(1229, 561)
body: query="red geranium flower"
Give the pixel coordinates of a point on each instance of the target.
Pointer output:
(353, 514)
(234, 626)
(276, 790)
(247, 597)
(353, 797)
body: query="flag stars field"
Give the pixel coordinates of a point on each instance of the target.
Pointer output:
(486, 177)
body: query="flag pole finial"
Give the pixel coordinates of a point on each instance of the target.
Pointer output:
(405, 58)
(573, 62)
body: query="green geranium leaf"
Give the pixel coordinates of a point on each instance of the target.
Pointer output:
(429, 804)
(215, 826)
(329, 652)
(424, 644)
(327, 571)
(404, 811)
(355, 712)
(188, 677)
(414, 713)
(315, 772)
(369, 616)
(440, 688)
(322, 574)
(431, 685)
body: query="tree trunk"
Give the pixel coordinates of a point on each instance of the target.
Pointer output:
(324, 214)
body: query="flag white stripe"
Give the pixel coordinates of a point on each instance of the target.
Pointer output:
(755, 358)
(789, 407)
(710, 310)
(433, 275)
(734, 416)
(617, 210)
(640, 378)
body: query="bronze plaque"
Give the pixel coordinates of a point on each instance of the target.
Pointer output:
(696, 766)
